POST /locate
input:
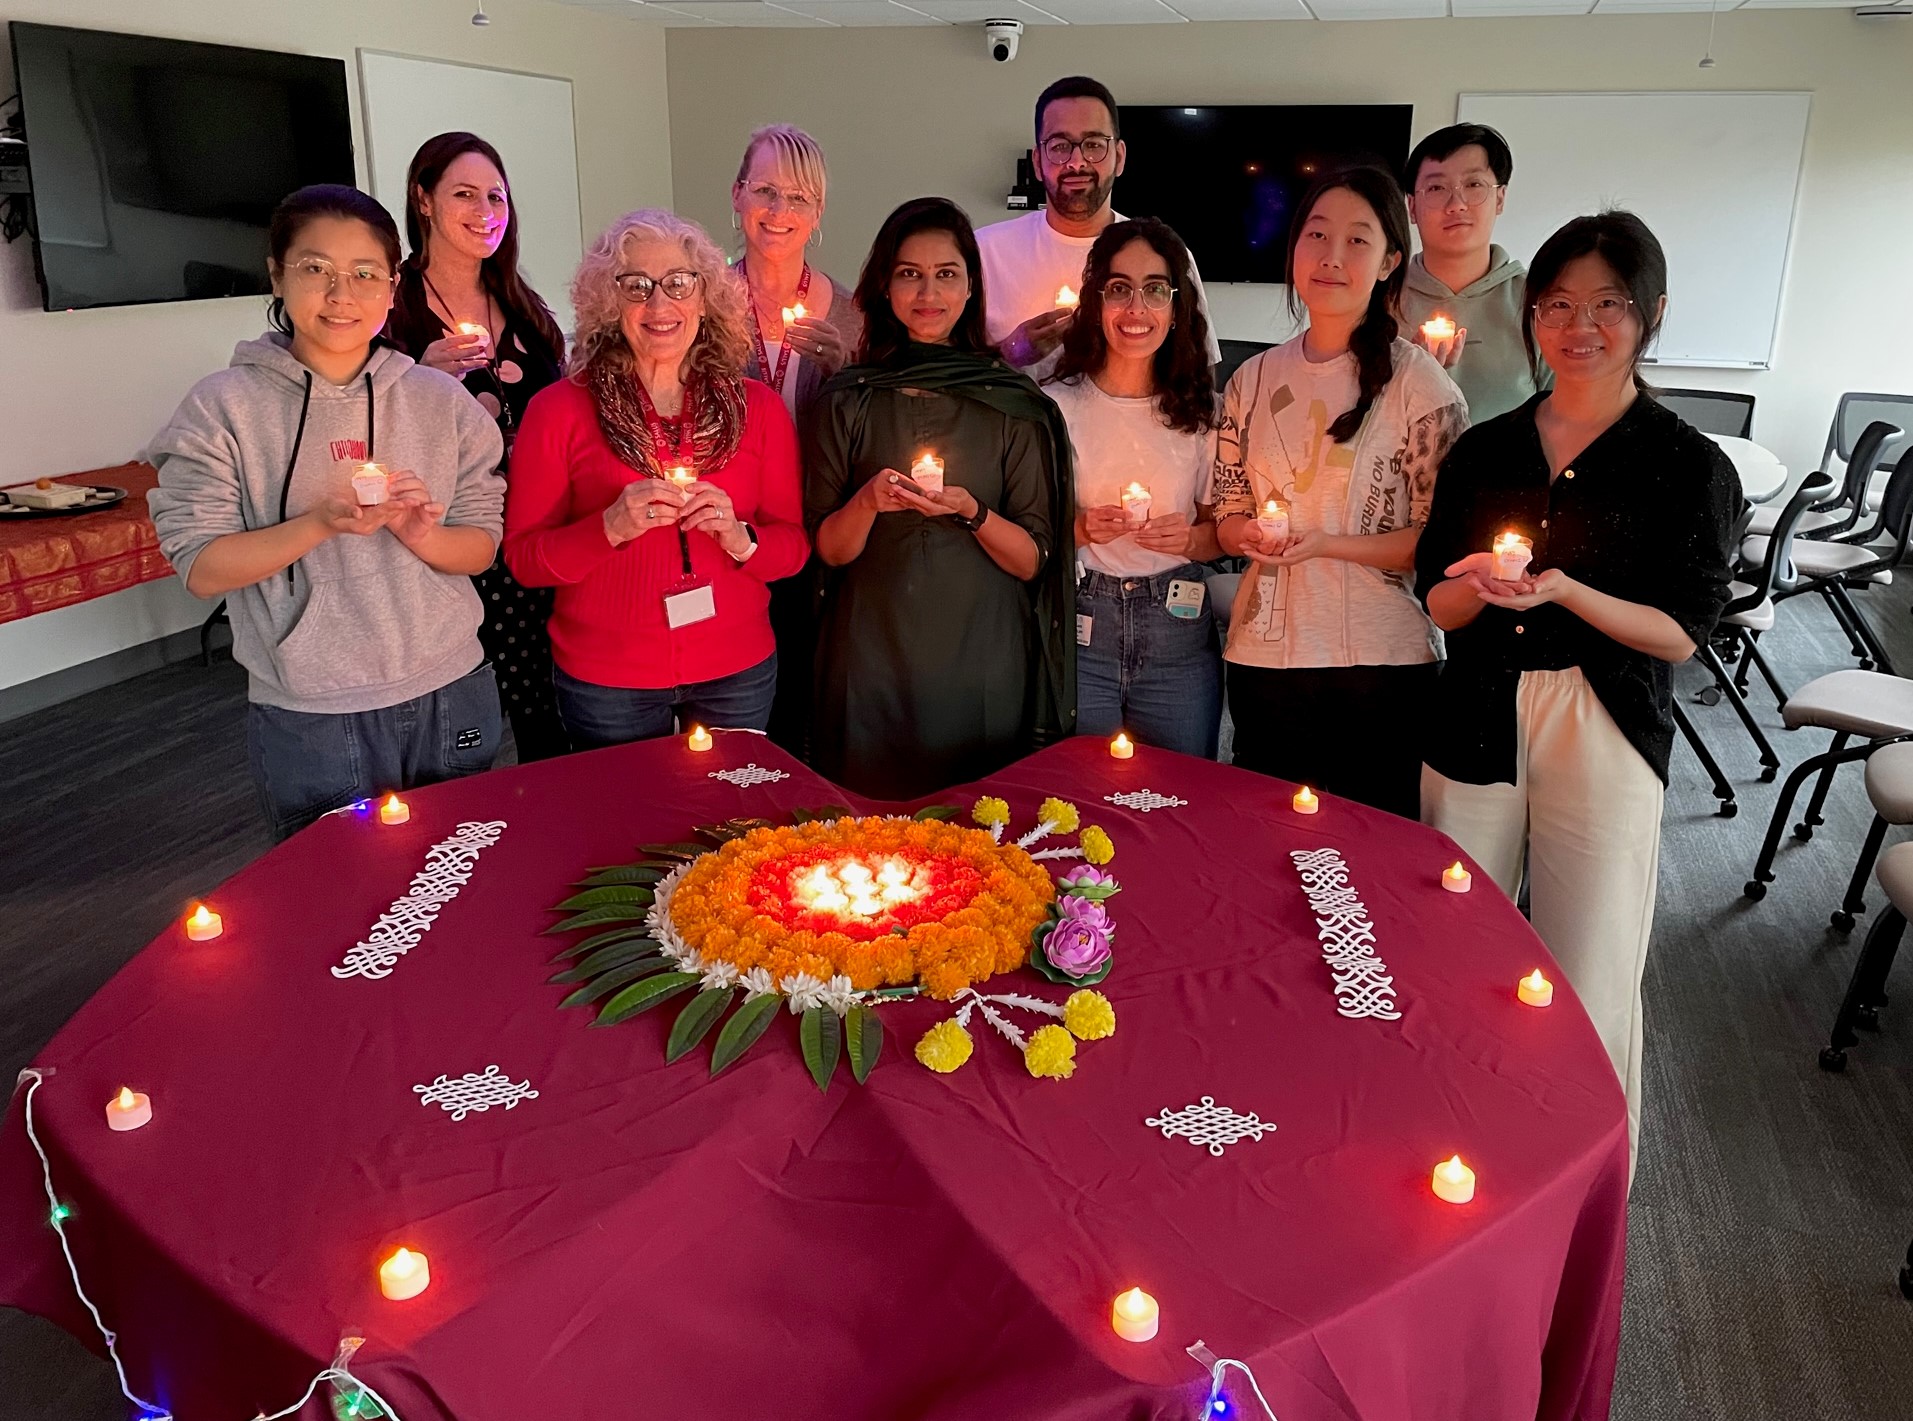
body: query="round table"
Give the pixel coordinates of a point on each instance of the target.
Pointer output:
(642, 1239)
(1762, 475)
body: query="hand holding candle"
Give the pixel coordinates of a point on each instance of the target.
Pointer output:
(1438, 328)
(1512, 554)
(927, 474)
(794, 314)
(682, 479)
(1066, 298)
(1136, 501)
(1272, 522)
(369, 484)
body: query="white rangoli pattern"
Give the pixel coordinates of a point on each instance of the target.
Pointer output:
(448, 868)
(1210, 1124)
(750, 775)
(1363, 987)
(1144, 800)
(475, 1090)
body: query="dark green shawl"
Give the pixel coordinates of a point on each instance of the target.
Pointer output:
(1008, 391)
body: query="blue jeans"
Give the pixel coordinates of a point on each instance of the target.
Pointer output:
(1154, 675)
(598, 716)
(306, 764)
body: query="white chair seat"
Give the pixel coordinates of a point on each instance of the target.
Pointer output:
(1870, 704)
(1820, 559)
(1765, 518)
(1895, 872)
(1754, 619)
(1889, 781)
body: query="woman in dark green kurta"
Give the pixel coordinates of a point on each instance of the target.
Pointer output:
(943, 653)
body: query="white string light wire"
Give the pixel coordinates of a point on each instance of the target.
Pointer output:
(1217, 1367)
(57, 1212)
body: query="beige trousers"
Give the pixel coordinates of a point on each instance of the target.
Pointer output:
(1585, 811)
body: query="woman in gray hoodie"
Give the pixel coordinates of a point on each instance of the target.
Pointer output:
(352, 607)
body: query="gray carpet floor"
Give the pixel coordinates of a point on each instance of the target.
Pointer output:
(1773, 1202)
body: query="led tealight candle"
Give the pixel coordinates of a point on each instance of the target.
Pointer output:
(1136, 503)
(1438, 328)
(1066, 298)
(795, 313)
(370, 483)
(404, 1275)
(1454, 1181)
(1273, 520)
(700, 738)
(1512, 553)
(1135, 1316)
(1122, 748)
(203, 924)
(472, 328)
(682, 477)
(128, 1110)
(1306, 801)
(1535, 990)
(927, 473)
(394, 810)
(1457, 879)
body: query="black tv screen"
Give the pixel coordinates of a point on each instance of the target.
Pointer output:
(156, 163)
(1228, 177)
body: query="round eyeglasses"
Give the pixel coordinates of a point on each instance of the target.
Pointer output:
(636, 288)
(1120, 291)
(1558, 313)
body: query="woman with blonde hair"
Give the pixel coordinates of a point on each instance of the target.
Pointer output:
(657, 490)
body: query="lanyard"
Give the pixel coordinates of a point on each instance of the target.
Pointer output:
(776, 378)
(686, 446)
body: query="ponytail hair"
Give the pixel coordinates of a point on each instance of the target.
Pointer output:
(1373, 340)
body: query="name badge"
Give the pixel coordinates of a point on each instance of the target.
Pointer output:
(1186, 598)
(690, 606)
(1083, 625)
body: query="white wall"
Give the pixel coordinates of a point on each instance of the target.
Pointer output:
(85, 389)
(904, 112)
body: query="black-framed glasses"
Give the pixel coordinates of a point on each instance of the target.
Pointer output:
(1473, 191)
(1121, 291)
(636, 288)
(1558, 313)
(1060, 150)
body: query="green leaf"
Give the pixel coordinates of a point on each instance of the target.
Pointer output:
(936, 811)
(604, 959)
(730, 829)
(623, 873)
(617, 977)
(624, 933)
(610, 893)
(740, 1033)
(800, 816)
(682, 852)
(700, 1014)
(597, 917)
(641, 996)
(863, 1039)
(830, 811)
(821, 1036)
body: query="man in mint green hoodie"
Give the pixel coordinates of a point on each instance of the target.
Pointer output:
(1457, 182)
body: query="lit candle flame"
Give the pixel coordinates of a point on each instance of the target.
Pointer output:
(1066, 297)
(1438, 328)
(794, 313)
(1536, 980)
(1134, 1303)
(125, 1101)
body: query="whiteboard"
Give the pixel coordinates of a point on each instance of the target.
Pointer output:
(526, 117)
(1714, 175)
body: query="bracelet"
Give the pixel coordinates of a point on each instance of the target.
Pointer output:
(973, 524)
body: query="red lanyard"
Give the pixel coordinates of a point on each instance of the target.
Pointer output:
(776, 378)
(687, 429)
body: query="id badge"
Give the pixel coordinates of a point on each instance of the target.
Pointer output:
(1186, 598)
(1083, 625)
(690, 605)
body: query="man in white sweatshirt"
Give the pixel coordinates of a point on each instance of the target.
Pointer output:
(1027, 260)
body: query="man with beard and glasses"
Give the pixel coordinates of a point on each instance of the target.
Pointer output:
(1028, 259)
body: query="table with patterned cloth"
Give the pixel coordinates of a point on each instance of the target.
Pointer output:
(610, 1236)
(46, 563)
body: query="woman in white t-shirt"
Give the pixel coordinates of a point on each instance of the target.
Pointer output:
(1329, 652)
(1134, 384)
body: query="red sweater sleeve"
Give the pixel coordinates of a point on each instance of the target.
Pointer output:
(782, 547)
(548, 541)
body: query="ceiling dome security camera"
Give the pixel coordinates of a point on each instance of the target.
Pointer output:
(1001, 37)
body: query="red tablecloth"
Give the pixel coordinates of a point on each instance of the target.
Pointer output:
(641, 1241)
(55, 562)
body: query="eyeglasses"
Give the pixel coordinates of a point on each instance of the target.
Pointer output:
(1474, 192)
(636, 287)
(1156, 295)
(764, 195)
(312, 276)
(1558, 313)
(1095, 148)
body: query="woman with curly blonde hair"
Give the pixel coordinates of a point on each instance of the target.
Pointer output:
(657, 489)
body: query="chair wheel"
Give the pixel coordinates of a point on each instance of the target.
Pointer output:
(1832, 1059)
(1802, 832)
(1755, 889)
(1843, 920)
(1768, 772)
(1866, 664)
(1728, 809)
(1709, 697)
(1867, 1018)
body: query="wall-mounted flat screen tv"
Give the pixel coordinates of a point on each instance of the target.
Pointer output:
(1228, 177)
(156, 163)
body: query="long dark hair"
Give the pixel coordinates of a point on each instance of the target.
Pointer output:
(323, 200)
(1371, 342)
(1630, 251)
(884, 334)
(499, 271)
(1185, 381)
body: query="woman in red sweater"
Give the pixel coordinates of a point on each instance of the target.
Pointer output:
(658, 490)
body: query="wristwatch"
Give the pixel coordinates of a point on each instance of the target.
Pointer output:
(973, 524)
(751, 551)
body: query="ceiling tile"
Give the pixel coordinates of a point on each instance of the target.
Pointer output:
(1475, 9)
(853, 13)
(975, 12)
(1652, 7)
(1799, 4)
(1379, 9)
(1243, 9)
(750, 15)
(1114, 12)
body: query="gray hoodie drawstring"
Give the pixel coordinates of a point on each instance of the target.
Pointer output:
(298, 438)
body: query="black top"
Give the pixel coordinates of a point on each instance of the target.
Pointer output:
(1645, 513)
(523, 362)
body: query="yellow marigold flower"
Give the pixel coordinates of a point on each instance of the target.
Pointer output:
(1089, 1016)
(1059, 812)
(989, 811)
(1051, 1052)
(944, 1047)
(1096, 845)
